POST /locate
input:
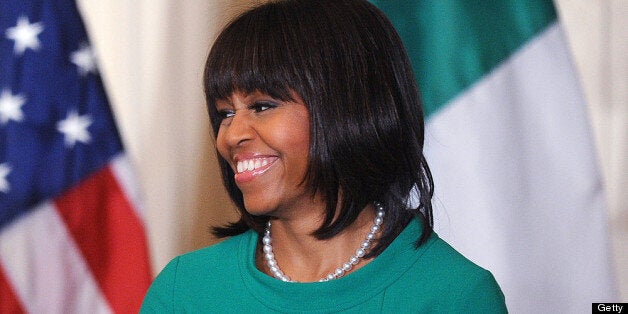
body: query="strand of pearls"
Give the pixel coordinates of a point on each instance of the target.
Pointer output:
(340, 271)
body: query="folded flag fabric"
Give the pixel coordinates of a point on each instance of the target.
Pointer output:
(72, 237)
(517, 186)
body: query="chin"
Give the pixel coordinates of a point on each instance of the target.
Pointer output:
(257, 209)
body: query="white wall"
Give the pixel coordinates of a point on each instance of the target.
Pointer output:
(151, 57)
(598, 35)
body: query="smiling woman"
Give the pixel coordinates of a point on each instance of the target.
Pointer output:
(319, 132)
(266, 144)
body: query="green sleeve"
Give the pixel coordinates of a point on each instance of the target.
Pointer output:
(481, 294)
(160, 295)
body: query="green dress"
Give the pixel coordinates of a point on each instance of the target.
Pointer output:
(223, 279)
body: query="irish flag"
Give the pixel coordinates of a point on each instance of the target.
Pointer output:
(518, 190)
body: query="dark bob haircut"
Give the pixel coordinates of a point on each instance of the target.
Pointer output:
(347, 63)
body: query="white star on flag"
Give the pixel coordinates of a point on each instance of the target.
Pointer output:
(74, 128)
(85, 59)
(25, 35)
(11, 107)
(5, 169)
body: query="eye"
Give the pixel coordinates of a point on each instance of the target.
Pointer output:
(225, 114)
(260, 106)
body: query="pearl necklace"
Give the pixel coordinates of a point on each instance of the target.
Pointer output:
(340, 271)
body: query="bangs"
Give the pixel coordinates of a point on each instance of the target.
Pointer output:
(252, 54)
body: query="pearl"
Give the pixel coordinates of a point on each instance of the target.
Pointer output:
(347, 266)
(268, 248)
(339, 272)
(360, 253)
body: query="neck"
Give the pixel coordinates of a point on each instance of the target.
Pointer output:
(303, 257)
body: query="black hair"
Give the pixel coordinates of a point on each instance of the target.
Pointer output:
(348, 64)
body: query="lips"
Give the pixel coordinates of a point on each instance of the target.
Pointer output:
(249, 168)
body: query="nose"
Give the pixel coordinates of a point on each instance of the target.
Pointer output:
(238, 131)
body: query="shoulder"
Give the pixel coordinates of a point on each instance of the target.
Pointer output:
(447, 261)
(219, 257)
(446, 281)
(198, 272)
(463, 285)
(214, 255)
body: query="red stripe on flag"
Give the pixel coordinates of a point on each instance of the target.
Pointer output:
(9, 303)
(111, 238)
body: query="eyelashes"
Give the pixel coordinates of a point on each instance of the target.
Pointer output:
(224, 114)
(261, 106)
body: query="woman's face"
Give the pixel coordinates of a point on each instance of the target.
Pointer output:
(266, 142)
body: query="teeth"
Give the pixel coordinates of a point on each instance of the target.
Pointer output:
(252, 164)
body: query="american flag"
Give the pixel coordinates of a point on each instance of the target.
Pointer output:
(72, 236)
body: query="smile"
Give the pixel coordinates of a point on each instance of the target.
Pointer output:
(254, 164)
(248, 169)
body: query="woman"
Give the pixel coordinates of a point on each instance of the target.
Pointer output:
(319, 131)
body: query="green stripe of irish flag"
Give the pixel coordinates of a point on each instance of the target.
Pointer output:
(517, 185)
(460, 41)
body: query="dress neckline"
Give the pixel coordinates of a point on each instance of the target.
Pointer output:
(342, 293)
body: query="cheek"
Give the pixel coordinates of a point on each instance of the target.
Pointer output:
(298, 145)
(221, 145)
(303, 145)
